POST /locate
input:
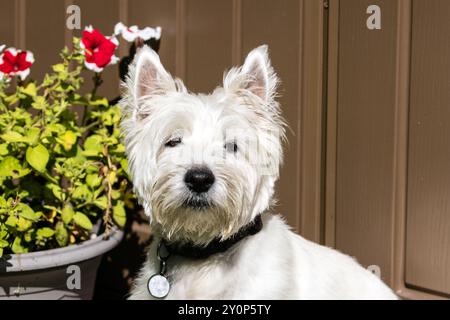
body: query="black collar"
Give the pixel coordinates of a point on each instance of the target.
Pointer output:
(215, 246)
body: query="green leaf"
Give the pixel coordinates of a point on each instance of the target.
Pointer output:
(93, 145)
(11, 167)
(111, 117)
(3, 234)
(23, 224)
(69, 138)
(17, 246)
(101, 202)
(3, 243)
(32, 135)
(124, 165)
(37, 157)
(97, 192)
(56, 127)
(91, 169)
(119, 214)
(11, 221)
(30, 89)
(82, 220)
(59, 67)
(28, 236)
(82, 192)
(26, 212)
(39, 103)
(99, 102)
(56, 190)
(4, 149)
(61, 234)
(12, 136)
(45, 232)
(11, 99)
(93, 180)
(116, 194)
(8, 166)
(120, 148)
(67, 214)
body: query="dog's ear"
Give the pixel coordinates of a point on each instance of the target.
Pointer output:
(256, 75)
(148, 79)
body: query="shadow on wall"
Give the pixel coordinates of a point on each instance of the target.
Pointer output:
(119, 267)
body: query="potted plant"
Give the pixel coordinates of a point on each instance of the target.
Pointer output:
(64, 189)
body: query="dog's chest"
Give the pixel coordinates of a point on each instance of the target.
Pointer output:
(211, 279)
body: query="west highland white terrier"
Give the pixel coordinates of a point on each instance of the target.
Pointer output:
(204, 169)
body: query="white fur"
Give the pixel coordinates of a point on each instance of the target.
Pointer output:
(273, 264)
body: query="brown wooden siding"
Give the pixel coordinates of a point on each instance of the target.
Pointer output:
(367, 165)
(387, 161)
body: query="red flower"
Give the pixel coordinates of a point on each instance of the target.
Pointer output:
(98, 49)
(16, 63)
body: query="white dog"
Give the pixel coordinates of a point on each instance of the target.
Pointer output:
(204, 168)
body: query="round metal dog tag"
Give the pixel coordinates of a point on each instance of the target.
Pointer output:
(158, 286)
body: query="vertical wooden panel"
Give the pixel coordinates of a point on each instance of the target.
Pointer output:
(103, 15)
(208, 43)
(310, 127)
(428, 205)
(157, 13)
(366, 110)
(45, 37)
(7, 21)
(331, 126)
(276, 23)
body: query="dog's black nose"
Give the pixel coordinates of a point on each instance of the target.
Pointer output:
(199, 179)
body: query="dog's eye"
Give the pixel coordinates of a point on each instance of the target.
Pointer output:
(173, 142)
(231, 146)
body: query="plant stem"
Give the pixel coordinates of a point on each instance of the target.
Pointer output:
(90, 126)
(97, 79)
(107, 217)
(49, 177)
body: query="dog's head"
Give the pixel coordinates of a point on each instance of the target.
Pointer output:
(202, 166)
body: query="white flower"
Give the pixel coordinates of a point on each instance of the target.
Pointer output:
(132, 33)
(2, 47)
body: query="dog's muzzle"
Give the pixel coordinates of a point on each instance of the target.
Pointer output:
(199, 181)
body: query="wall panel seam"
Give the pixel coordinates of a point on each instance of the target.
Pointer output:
(403, 60)
(236, 48)
(298, 222)
(180, 39)
(123, 17)
(331, 124)
(68, 33)
(20, 25)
